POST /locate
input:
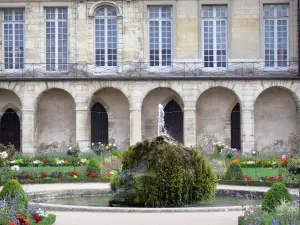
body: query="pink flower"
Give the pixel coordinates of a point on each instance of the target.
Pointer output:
(283, 157)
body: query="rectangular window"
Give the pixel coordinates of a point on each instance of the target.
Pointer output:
(160, 35)
(276, 35)
(214, 36)
(56, 39)
(13, 31)
(106, 38)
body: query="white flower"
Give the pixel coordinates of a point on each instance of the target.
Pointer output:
(93, 144)
(112, 172)
(42, 213)
(115, 145)
(83, 160)
(36, 162)
(15, 168)
(70, 148)
(12, 162)
(109, 144)
(250, 162)
(60, 162)
(3, 155)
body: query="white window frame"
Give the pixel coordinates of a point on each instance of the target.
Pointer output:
(13, 23)
(165, 68)
(106, 68)
(56, 20)
(275, 19)
(214, 20)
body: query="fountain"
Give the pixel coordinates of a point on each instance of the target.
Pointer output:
(161, 130)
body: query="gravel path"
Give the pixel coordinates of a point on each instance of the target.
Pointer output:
(85, 218)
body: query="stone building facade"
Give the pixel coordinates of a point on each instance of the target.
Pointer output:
(83, 71)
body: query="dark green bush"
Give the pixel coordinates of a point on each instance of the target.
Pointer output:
(234, 172)
(294, 167)
(93, 166)
(277, 192)
(158, 173)
(13, 190)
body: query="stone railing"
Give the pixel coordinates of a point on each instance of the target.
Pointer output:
(145, 69)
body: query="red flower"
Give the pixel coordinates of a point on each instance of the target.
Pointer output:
(60, 175)
(12, 223)
(247, 178)
(36, 217)
(93, 175)
(44, 175)
(72, 173)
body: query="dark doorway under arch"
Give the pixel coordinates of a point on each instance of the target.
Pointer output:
(174, 120)
(99, 124)
(235, 120)
(10, 131)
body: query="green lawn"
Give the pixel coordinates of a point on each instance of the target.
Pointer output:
(62, 169)
(256, 173)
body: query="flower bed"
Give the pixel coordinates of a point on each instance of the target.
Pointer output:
(255, 183)
(261, 163)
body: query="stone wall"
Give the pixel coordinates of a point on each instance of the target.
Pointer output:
(55, 121)
(245, 24)
(268, 109)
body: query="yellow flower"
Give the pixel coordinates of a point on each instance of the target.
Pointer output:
(75, 176)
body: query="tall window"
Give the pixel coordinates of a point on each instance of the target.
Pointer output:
(276, 35)
(160, 35)
(13, 29)
(106, 38)
(56, 39)
(214, 36)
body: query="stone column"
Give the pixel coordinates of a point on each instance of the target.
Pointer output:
(83, 131)
(189, 125)
(28, 131)
(247, 128)
(135, 125)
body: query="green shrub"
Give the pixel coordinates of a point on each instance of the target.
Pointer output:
(13, 190)
(158, 174)
(93, 166)
(115, 181)
(234, 172)
(287, 212)
(294, 167)
(274, 196)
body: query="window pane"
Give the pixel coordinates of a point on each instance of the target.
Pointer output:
(13, 38)
(276, 35)
(106, 37)
(214, 36)
(160, 35)
(56, 39)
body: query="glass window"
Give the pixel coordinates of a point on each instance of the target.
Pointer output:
(214, 36)
(13, 32)
(56, 39)
(106, 38)
(276, 35)
(160, 35)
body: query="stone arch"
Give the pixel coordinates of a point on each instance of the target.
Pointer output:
(55, 120)
(43, 89)
(9, 99)
(275, 109)
(98, 4)
(213, 116)
(158, 95)
(117, 106)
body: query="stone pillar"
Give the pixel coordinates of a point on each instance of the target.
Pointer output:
(247, 128)
(135, 125)
(83, 131)
(28, 131)
(189, 125)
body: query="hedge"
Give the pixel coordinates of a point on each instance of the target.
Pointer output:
(255, 183)
(64, 180)
(49, 220)
(241, 221)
